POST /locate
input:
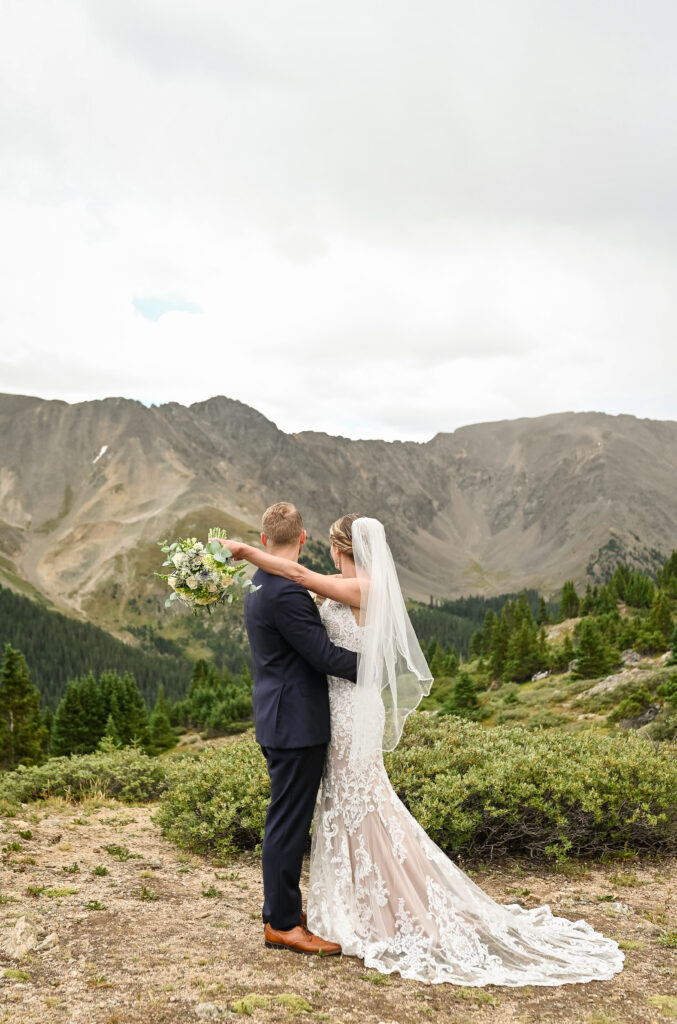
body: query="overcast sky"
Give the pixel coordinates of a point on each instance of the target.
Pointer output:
(379, 219)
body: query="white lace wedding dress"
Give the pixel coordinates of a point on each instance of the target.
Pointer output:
(382, 888)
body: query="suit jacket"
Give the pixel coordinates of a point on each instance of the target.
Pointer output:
(291, 658)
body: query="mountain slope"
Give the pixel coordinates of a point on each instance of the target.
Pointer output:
(87, 489)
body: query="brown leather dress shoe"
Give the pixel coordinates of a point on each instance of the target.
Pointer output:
(300, 940)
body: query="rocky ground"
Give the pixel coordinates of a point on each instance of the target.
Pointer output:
(121, 927)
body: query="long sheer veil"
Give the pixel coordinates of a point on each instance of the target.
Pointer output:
(392, 673)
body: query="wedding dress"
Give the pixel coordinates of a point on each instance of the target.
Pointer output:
(383, 889)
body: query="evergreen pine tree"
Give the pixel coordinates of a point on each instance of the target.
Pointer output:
(666, 578)
(162, 736)
(111, 735)
(594, 655)
(660, 616)
(569, 605)
(463, 700)
(477, 644)
(522, 611)
(639, 592)
(499, 646)
(137, 712)
(606, 601)
(22, 730)
(523, 656)
(199, 676)
(71, 730)
(438, 663)
(490, 623)
(543, 617)
(451, 662)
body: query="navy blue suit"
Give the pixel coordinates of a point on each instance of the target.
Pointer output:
(291, 658)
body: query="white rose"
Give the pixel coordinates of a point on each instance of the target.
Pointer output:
(211, 587)
(192, 582)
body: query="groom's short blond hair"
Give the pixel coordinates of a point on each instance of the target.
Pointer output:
(282, 523)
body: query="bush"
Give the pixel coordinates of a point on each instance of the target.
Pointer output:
(486, 793)
(216, 801)
(477, 792)
(128, 775)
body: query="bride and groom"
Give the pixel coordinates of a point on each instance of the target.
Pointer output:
(332, 690)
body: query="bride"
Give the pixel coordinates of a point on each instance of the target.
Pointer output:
(379, 885)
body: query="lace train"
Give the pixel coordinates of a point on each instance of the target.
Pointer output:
(383, 889)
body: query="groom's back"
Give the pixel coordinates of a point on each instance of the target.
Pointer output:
(291, 701)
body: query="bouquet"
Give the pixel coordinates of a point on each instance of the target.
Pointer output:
(202, 574)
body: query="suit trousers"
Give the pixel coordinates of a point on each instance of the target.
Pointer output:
(295, 776)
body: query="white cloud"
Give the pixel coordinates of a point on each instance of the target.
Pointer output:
(393, 219)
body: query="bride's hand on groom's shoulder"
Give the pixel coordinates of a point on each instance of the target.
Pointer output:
(236, 547)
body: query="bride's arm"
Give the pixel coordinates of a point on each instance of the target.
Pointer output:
(338, 588)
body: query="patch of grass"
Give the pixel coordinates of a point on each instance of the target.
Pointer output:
(629, 879)
(376, 978)
(630, 944)
(99, 869)
(8, 899)
(94, 905)
(121, 852)
(249, 1003)
(13, 847)
(99, 981)
(148, 894)
(26, 834)
(60, 892)
(668, 939)
(13, 974)
(71, 869)
(666, 1004)
(607, 898)
(475, 995)
(294, 1005)
(211, 891)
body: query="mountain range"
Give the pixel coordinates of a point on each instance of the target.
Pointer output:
(87, 489)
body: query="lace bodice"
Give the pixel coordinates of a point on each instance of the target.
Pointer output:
(341, 625)
(383, 889)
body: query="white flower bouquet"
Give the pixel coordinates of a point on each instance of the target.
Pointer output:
(202, 575)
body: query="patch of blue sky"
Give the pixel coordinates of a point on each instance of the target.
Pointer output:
(152, 307)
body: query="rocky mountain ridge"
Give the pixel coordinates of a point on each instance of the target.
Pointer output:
(87, 489)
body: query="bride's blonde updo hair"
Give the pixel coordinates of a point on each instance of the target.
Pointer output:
(341, 532)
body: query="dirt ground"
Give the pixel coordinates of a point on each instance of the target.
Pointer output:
(165, 937)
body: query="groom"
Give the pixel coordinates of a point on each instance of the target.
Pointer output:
(292, 656)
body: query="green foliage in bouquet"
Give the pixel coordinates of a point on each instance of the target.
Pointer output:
(202, 575)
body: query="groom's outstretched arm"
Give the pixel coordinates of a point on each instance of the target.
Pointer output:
(299, 622)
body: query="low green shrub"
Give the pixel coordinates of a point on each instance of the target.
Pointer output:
(490, 792)
(216, 801)
(477, 792)
(128, 775)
